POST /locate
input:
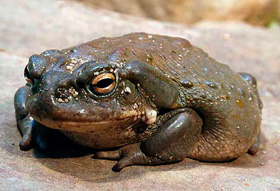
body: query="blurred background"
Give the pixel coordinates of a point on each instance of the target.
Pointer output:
(255, 12)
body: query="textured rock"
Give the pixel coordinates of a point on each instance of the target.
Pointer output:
(256, 12)
(29, 27)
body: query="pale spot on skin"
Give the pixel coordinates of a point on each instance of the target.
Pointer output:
(127, 90)
(82, 111)
(150, 116)
(60, 100)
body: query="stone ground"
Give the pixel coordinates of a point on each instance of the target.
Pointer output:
(28, 27)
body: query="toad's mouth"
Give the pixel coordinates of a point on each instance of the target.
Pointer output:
(87, 126)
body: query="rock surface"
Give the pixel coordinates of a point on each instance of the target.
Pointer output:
(29, 27)
(256, 12)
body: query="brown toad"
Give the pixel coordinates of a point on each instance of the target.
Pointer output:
(157, 99)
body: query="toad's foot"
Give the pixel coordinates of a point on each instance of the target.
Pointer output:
(129, 155)
(34, 135)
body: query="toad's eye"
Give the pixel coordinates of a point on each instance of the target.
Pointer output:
(103, 84)
(27, 76)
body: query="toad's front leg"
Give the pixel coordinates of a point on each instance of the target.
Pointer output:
(175, 138)
(33, 133)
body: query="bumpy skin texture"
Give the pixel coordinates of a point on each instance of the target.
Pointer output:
(169, 101)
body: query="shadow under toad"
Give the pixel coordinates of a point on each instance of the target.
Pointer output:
(69, 158)
(75, 160)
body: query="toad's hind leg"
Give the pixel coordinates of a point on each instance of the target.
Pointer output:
(253, 82)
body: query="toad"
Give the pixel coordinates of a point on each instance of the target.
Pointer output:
(141, 99)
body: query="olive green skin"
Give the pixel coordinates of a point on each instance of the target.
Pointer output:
(181, 76)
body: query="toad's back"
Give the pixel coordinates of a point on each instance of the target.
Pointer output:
(228, 104)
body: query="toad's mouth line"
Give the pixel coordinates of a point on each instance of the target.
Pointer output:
(85, 126)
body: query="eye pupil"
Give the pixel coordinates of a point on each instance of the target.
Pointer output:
(104, 83)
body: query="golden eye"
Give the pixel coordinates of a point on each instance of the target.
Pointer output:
(103, 83)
